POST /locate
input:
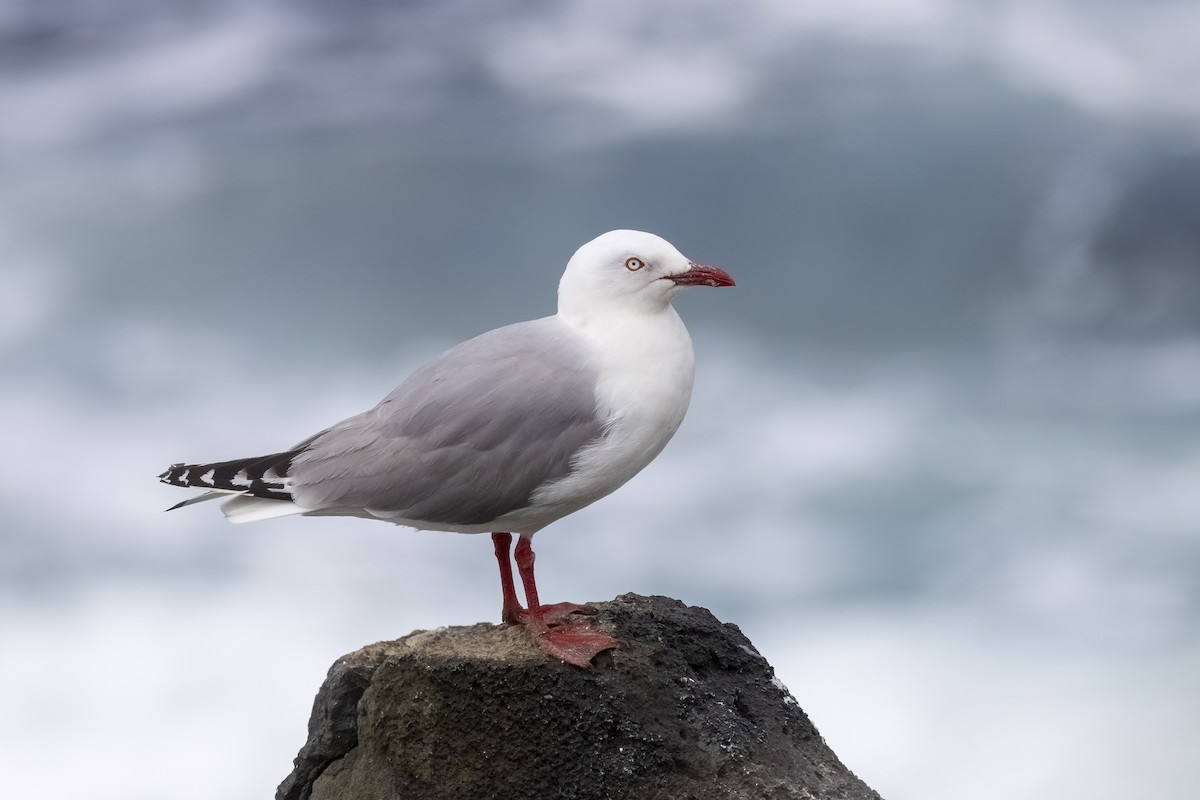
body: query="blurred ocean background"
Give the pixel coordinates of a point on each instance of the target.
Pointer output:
(942, 461)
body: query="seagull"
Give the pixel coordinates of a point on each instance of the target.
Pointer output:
(507, 432)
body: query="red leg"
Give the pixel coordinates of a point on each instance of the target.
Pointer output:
(554, 614)
(570, 638)
(525, 558)
(512, 613)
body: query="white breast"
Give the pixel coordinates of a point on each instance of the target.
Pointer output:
(645, 384)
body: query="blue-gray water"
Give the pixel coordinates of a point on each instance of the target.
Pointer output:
(941, 464)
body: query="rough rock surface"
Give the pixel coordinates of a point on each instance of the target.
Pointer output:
(686, 709)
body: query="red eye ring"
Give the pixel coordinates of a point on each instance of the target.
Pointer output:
(633, 263)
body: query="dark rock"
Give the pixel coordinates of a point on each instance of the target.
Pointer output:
(686, 709)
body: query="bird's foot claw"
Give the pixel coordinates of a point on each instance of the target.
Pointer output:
(559, 613)
(575, 642)
(564, 631)
(551, 615)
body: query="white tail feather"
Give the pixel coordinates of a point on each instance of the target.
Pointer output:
(247, 508)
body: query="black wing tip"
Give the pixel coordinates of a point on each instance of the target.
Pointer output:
(261, 476)
(171, 473)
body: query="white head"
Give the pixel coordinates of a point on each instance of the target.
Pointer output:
(629, 270)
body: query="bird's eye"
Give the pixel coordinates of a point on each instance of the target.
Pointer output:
(633, 264)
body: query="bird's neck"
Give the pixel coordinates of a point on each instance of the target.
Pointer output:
(644, 358)
(597, 315)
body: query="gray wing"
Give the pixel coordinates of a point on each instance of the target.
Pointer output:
(466, 438)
